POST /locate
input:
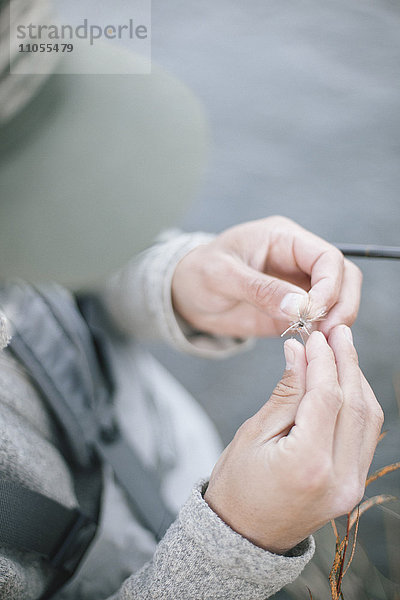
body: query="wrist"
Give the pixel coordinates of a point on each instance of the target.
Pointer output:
(274, 532)
(261, 535)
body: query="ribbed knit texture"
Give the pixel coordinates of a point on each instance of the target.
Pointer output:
(200, 557)
(150, 314)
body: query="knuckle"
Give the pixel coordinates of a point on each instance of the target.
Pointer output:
(280, 220)
(348, 314)
(332, 396)
(245, 431)
(348, 497)
(359, 274)
(380, 415)
(210, 269)
(351, 306)
(353, 359)
(353, 356)
(359, 411)
(314, 476)
(261, 291)
(287, 387)
(356, 272)
(248, 325)
(377, 414)
(336, 253)
(336, 258)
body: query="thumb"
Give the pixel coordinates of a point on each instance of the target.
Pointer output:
(279, 298)
(279, 413)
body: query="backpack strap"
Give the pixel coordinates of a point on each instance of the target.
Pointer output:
(56, 363)
(33, 522)
(52, 340)
(141, 484)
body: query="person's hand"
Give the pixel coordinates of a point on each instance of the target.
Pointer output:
(304, 457)
(247, 281)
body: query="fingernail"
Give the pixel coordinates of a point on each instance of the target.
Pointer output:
(291, 304)
(290, 356)
(347, 333)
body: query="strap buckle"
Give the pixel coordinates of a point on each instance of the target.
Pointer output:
(75, 544)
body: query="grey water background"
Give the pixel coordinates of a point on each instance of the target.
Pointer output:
(304, 104)
(303, 101)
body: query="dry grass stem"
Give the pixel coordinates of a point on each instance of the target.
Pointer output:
(339, 570)
(354, 543)
(367, 504)
(383, 434)
(381, 472)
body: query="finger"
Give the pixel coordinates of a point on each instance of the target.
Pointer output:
(321, 369)
(375, 420)
(346, 308)
(242, 321)
(317, 414)
(326, 278)
(322, 262)
(276, 297)
(360, 419)
(277, 416)
(352, 421)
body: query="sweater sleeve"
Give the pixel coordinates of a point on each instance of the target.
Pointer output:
(201, 557)
(138, 298)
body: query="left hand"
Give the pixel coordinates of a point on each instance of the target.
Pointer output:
(242, 283)
(303, 458)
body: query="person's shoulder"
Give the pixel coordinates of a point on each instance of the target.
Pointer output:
(18, 394)
(29, 456)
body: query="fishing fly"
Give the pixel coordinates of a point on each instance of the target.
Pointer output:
(305, 319)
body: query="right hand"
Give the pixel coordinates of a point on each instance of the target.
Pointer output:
(252, 279)
(303, 459)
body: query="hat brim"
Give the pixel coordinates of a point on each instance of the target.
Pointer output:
(114, 163)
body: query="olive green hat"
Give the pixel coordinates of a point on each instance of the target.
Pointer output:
(93, 168)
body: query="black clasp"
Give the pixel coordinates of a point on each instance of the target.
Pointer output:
(77, 541)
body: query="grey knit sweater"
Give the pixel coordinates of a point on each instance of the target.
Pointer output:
(200, 557)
